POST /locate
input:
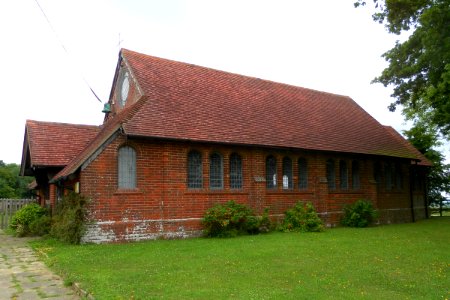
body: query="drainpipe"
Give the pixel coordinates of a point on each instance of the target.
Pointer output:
(411, 197)
(425, 195)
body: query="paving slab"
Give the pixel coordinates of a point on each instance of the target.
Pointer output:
(23, 276)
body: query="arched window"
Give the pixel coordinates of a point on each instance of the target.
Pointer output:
(356, 181)
(195, 170)
(271, 172)
(216, 171)
(302, 174)
(127, 168)
(331, 175)
(343, 174)
(388, 176)
(287, 173)
(398, 177)
(235, 171)
(377, 172)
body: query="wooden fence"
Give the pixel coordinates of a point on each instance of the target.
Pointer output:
(8, 207)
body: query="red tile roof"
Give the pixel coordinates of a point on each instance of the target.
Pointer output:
(107, 130)
(190, 102)
(423, 160)
(55, 144)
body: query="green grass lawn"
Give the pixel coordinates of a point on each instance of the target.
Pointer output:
(407, 261)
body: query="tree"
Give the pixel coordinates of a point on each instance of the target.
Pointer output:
(419, 68)
(425, 139)
(11, 184)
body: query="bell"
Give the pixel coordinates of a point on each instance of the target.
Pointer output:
(106, 108)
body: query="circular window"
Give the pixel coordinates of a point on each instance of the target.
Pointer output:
(124, 89)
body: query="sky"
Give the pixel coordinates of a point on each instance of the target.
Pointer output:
(48, 70)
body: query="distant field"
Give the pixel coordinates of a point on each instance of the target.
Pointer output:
(406, 261)
(445, 212)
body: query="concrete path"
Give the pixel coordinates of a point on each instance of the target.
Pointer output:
(23, 276)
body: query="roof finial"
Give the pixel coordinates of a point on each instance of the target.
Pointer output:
(119, 44)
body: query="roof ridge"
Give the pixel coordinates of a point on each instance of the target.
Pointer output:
(28, 121)
(232, 73)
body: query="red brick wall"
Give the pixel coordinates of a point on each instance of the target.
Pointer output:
(162, 205)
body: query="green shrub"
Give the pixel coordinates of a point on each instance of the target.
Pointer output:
(231, 219)
(265, 224)
(24, 217)
(225, 220)
(41, 226)
(359, 214)
(70, 218)
(302, 218)
(252, 224)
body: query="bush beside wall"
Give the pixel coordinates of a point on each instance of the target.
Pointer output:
(69, 221)
(359, 214)
(302, 217)
(25, 221)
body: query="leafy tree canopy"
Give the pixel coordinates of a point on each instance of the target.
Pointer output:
(425, 139)
(419, 68)
(11, 184)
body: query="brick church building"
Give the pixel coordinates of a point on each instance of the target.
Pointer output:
(178, 138)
